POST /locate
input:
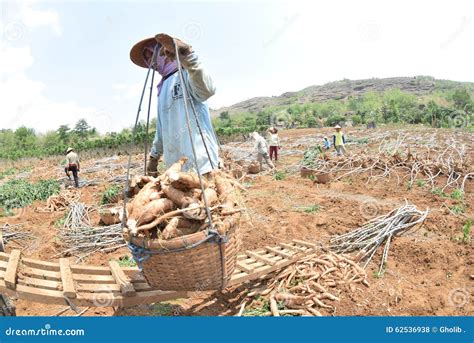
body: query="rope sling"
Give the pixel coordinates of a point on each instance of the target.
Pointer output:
(141, 254)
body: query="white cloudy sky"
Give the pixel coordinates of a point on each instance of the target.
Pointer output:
(65, 60)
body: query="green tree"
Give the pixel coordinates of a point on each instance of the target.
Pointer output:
(224, 115)
(25, 138)
(462, 99)
(64, 133)
(82, 128)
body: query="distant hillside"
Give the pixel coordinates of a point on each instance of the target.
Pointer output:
(338, 90)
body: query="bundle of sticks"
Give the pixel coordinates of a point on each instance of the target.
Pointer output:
(429, 165)
(379, 231)
(174, 203)
(308, 286)
(15, 233)
(61, 201)
(81, 239)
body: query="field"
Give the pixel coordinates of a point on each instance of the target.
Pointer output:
(430, 268)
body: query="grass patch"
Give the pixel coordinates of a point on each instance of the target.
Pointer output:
(457, 194)
(466, 231)
(60, 222)
(457, 209)
(21, 193)
(111, 195)
(162, 309)
(279, 175)
(421, 183)
(126, 261)
(7, 172)
(258, 311)
(309, 209)
(437, 191)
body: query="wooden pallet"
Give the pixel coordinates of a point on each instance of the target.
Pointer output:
(66, 283)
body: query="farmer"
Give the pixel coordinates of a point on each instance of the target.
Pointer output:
(274, 142)
(339, 140)
(326, 143)
(72, 165)
(262, 150)
(172, 139)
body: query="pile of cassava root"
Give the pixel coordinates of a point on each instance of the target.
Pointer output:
(172, 204)
(309, 286)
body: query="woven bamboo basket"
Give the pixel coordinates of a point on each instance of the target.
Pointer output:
(195, 262)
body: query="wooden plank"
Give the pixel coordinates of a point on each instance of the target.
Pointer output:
(244, 267)
(38, 283)
(121, 279)
(305, 244)
(260, 258)
(41, 274)
(29, 262)
(279, 252)
(292, 247)
(98, 288)
(66, 278)
(4, 256)
(89, 299)
(102, 279)
(259, 272)
(12, 269)
(91, 270)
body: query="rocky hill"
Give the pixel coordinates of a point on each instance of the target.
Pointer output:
(338, 90)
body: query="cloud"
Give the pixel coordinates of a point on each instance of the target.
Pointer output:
(23, 99)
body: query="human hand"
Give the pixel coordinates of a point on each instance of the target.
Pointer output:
(167, 46)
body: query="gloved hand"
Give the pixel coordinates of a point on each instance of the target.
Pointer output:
(167, 46)
(152, 166)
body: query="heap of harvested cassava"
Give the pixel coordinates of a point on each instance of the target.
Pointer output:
(310, 285)
(172, 204)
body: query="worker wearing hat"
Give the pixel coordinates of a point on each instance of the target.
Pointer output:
(172, 140)
(339, 140)
(72, 165)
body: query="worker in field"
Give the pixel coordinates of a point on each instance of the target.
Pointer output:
(273, 142)
(72, 165)
(326, 143)
(262, 150)
(172, 139)
(339, 140)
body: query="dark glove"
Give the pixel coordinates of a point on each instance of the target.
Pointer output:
(152, 166)
(167, 46)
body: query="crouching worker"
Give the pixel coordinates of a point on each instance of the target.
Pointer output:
(72, 165)
(262, 150)
(172, 139)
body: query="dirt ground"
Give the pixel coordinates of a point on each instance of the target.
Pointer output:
(429, 270)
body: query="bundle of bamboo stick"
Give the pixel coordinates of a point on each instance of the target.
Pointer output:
(173, 204)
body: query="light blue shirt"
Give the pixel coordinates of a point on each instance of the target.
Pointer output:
(172, 136)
